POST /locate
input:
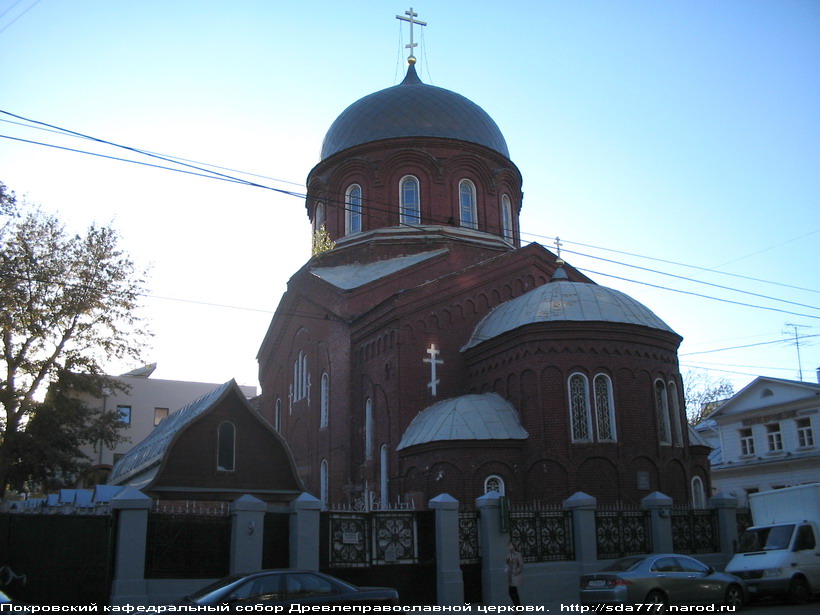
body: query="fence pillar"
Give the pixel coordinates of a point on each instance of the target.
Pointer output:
(131, 508)
(304, 532)
(247, 531)
(449, 580)
(584, 533)
(660, 521)
(726, 506)
(493, 550)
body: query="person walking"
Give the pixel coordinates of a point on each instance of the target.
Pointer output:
(515, 573)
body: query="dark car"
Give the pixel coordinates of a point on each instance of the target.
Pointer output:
(661, 579)
(273, 587)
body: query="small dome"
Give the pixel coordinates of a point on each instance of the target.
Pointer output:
(484, 416)
(565, 301)
(413, 109)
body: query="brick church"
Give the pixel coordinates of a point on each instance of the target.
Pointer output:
(426, 351)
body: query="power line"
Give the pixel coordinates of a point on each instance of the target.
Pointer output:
(384, 208)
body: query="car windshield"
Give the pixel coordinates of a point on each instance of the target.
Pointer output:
(765, 538)
(624, 564)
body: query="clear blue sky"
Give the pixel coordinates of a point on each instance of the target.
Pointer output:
(680, 137)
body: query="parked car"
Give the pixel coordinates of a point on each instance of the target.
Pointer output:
(281, 587)
(662, 579)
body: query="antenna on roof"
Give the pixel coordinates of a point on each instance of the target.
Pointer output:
(411, 59)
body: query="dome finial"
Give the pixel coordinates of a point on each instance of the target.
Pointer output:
(412, 21)
(559, 261)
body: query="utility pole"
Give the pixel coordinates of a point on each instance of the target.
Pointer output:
(797, 345)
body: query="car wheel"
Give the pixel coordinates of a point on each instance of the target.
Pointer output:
(656, 596)
(733, 597)
(798, 592)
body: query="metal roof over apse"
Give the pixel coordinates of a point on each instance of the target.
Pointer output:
(153, 447)
(565, 301)
(413, 109)
(485, 416)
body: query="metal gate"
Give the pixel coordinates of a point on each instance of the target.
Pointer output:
(57, 559)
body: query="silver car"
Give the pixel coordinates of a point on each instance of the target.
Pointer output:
(665, 578)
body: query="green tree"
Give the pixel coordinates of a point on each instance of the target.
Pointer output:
(69, 307)
(703, 394)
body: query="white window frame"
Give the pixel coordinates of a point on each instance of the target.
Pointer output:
(698, 493)
(608, 412)
(319, 217)
(674, 413)
(494, 482)
(579, 409)
(324, 484)
(353, 209)
(507, 231)
(805, 435)
(662, 412)
(368, 429)
(468, 212)
(747, 441)
(409, 213)
(774, 437)
(324, 401)
(384, 477)
(220, 434)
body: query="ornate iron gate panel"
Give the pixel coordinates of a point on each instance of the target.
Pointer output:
(622, 532)
(469, 548)
(543, 536)
(372, 539)
(695, 531)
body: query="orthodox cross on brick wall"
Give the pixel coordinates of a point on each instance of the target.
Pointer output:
(433, 361)
(413, 22)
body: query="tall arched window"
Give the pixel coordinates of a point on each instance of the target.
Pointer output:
(323, 484)
(277, 416)
(506, 219)
(353, 209)
(662, 412)
(384, 481)
(467, 204)
(698, 493)
(319, 216)
(368, 429)
(604, 409)
(324, 402)
(494, 483)
(226, 447)
(674, 415)
(409, 203)
(301, 378)
(579, 408)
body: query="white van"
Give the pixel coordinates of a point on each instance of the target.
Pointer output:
(780, 554)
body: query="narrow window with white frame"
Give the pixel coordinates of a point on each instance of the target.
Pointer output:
(384, 476)
(805, 435)
(604, 409)
(674, 415)
(747, 442)
(324, 403)
(353, 210)
(662, 412)
(323, 484)
(698, 493)
(368, 429)
(506, 219)
(410, 204)
(579, 414)
(467, 204)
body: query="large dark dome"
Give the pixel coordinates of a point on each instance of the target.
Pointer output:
(413, 109)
